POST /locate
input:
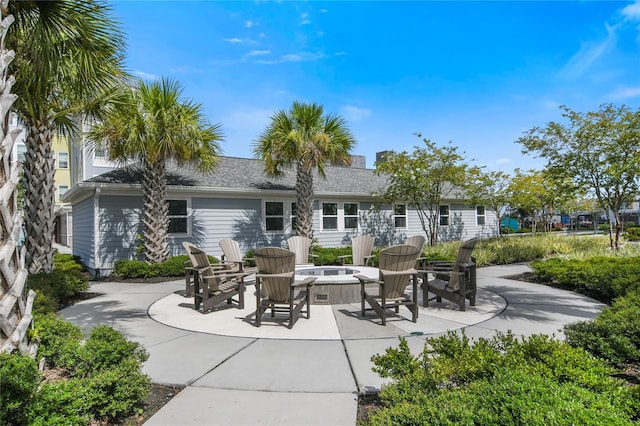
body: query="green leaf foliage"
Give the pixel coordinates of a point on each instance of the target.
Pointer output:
(503, 381)
(19, 380)
(614, 335)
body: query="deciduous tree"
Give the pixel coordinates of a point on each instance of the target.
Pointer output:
(599, 151)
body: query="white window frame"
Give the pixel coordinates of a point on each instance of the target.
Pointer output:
(60, 155)
(405, 216)
(293, 215)
(186, 216)
(282, 216)
(483, 215)
(345, 216)
(441, 216)
(322, 216)
(60, 190)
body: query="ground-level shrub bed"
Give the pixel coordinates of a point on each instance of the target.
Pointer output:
(98, 379)
(614, 335)
(172, 267)
(500, 381)
(605, 277)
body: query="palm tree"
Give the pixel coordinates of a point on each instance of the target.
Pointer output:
(304, 136)
(150, 124)
(15, 304)
(67, 53)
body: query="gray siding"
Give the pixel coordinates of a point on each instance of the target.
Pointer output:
(214, 219)
(119, 224)
(83, 236)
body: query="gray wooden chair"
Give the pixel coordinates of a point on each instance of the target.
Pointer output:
(397, 269)
(361, 248)
(301, 246)
(418, 242)
(276, 288)
(233, 258)
(453, 281)
(210, 287)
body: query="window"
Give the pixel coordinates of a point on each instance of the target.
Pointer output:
(62, 189)
(294, 214)
(274, 215)
(330, 216)
(350, 215)
(444, 215)
(22, 152)
(400, 216)
(480, 216)
(98, 153)
(178, 217)
(63, 160)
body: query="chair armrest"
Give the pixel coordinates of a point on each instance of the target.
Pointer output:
(368, 258)
(365, 280)
(313, 255)
(282, 275)
(344, 257)
(306, 281)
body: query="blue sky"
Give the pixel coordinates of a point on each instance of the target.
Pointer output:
(477, 74)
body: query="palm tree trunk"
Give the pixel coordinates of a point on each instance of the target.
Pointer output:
(39, 197)
(15, 304)
(304, 200)
(156, 212)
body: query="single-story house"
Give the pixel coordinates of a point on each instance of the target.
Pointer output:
(239, 201)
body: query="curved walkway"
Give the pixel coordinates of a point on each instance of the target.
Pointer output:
(237, 374)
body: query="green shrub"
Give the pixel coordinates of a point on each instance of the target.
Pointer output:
(537, 380)
(614, 335)
(117, 391)
(329, 255)
(59, 341)
(59, 286)
(105, 349)
(19, 378)
(607, 277)
(632, 234)
(172, 267)
(61, 403)
(67, 262)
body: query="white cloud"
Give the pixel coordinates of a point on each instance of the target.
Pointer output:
(354, 113)
(258, 53)
(249, 24)
(236, 40)
(631, 12)
(501, 161)
(589, 53)
(623, 93)
(145, 76)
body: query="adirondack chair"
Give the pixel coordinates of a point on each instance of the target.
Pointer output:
(211, 287)
(397, 268)
(232, 257)
(276, 288)
(454, 281)
(301, 246)
(361, 248)
(418, 242)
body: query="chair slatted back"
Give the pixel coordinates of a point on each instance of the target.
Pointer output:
(361, 246)
(276, 260)
(231, 250)
(401, 258)
(416, 241)
(464, 256)
(200, 261)
(301, 246)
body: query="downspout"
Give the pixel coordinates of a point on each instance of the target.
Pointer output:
(96, 233)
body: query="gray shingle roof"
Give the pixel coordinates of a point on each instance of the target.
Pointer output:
(244, 174)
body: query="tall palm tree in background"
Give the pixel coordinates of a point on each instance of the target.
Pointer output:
(307, 138)
(149, 123)
(67, 53)
(15, 304)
